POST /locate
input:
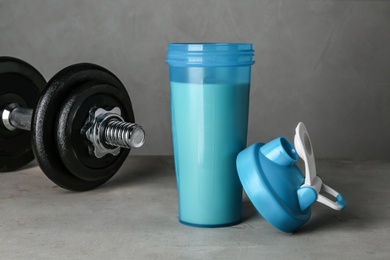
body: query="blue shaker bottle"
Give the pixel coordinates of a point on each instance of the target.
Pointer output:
(209, 111)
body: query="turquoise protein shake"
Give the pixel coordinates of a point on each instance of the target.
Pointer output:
(209, 111)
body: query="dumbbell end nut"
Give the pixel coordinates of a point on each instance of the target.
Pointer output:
(107, 132)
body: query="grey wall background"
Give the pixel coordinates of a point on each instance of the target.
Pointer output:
(326, 63)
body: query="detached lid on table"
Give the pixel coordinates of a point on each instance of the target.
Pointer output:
(276, 186)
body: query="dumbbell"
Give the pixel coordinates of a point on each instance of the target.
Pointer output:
(79, 126)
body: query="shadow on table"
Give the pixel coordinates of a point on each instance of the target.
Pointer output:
(28, 166)
(361, 212)
(142, 169)
(248, 210)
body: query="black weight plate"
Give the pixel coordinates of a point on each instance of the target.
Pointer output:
(46, 116)
(73, 145)
(20, 83)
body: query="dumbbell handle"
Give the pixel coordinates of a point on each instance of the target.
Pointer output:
(20, 118)
(114, 133)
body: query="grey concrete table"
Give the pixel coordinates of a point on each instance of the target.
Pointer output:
(134, 216)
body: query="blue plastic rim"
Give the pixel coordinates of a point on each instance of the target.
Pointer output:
(209, 54)
(280, 151)
(209, 226)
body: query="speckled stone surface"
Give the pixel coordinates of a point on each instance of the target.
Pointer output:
(134, 216)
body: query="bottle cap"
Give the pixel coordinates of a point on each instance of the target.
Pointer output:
(276, 186)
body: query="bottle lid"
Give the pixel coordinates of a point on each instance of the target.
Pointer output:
(277, 187)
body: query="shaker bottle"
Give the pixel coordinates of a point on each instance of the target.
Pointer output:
(209, 84)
